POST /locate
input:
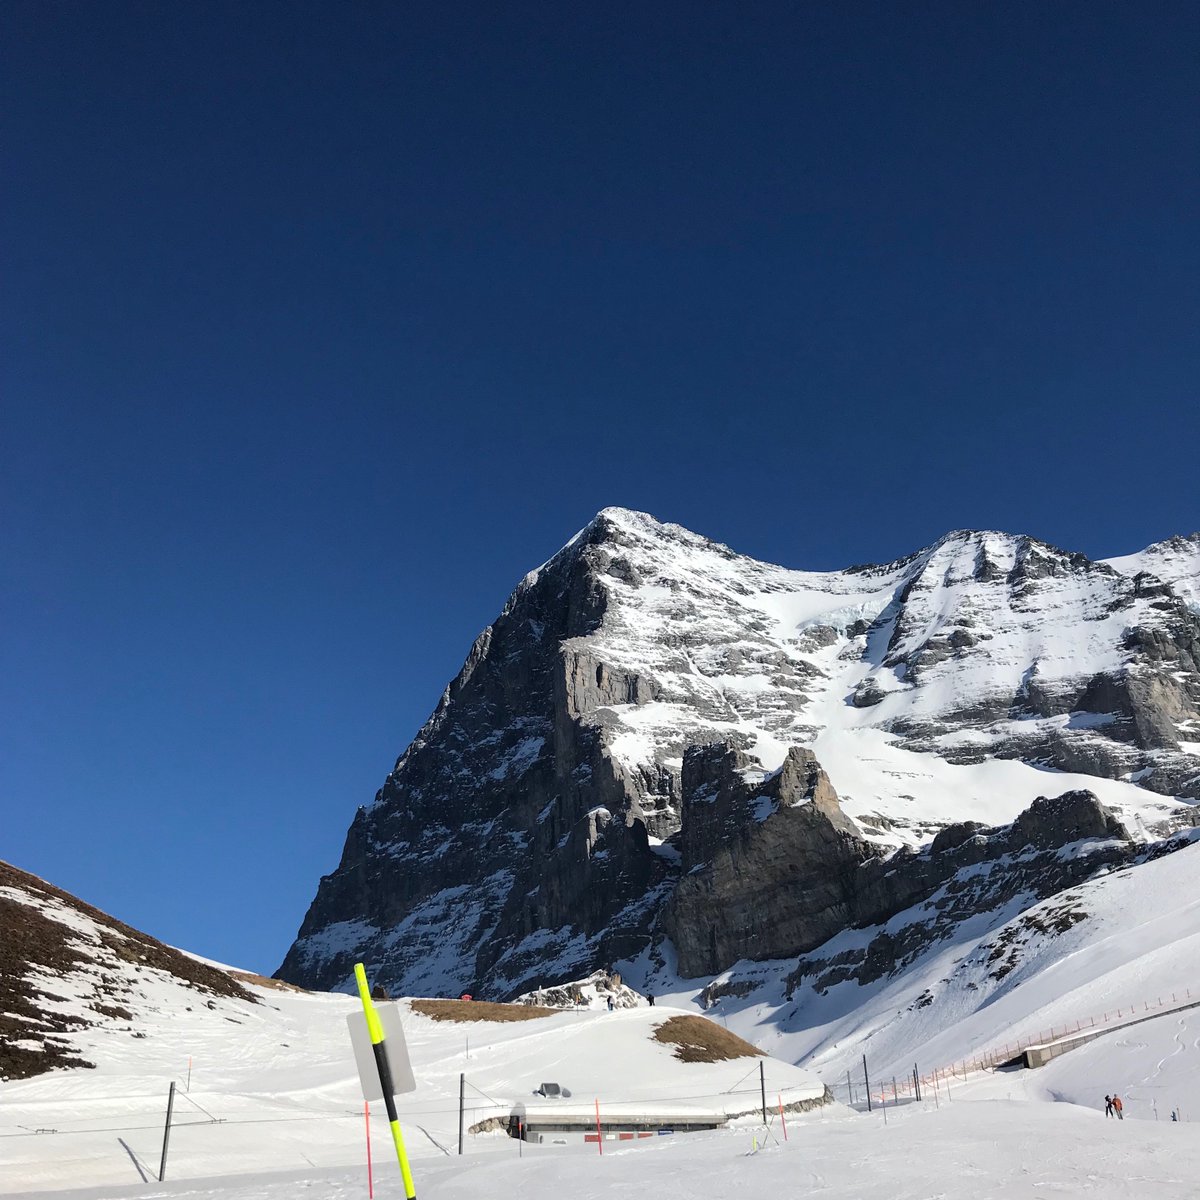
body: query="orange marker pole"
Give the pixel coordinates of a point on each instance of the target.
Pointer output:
(599, 1135)
(783, 1118)
(370, 1176)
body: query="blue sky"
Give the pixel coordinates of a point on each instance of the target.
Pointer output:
(321, 324)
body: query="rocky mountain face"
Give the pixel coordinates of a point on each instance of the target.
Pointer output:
(661, 742)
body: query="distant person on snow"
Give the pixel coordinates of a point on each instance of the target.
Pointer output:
(650, 999)
(1108, 1106)
(1174, 1115)
(1119, 1107)
(610, 1004)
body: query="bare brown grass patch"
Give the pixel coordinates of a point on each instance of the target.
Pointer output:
(697, 1039)
(265, 981)
(479, 1010)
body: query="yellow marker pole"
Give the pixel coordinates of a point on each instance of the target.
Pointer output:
(375, 1029)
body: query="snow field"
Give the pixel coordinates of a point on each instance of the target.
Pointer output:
(970, 1149)
(280, 1080)
(276, 1089)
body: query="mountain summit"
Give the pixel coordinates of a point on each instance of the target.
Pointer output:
(648, 695)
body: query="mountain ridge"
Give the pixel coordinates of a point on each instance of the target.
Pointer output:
(530, 831)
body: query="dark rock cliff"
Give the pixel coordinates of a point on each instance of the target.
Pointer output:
(505, 817)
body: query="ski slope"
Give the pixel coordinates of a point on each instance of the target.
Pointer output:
(273, 1087)
(289, 1121)
(278, 1078)
(272, 1106)
(974, 1147)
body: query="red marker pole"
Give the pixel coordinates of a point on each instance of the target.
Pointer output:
(370, 1176)
(783, 1119)
(599, 1135)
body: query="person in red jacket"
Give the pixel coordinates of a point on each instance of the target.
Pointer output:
(1117, 1107)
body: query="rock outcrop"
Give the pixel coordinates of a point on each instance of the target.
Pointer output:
(911, 901)
(768, 867)
(776, 869)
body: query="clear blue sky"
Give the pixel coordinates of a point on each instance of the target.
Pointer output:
(320, 324)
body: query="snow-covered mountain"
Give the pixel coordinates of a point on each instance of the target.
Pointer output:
(629, 729)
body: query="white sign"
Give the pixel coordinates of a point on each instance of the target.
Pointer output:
(394, 1047)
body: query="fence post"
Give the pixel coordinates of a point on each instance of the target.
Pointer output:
(762, 1079)
(462, 1096)
(867, 1081)
(162, 1166)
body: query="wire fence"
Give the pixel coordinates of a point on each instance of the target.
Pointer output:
(859, 1090)
(152, 1118)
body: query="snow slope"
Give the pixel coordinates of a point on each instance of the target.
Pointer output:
(269, 1103)
(892, 674)
(1176, 562)
(272, 1108)
(974, 1146)
(1124, 941)
(274, 1088)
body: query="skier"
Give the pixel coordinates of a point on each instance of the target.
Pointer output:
(610, 1004)
(650, 999)
(1118, 1106)
(1108, 1106)
(1174, 1115)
